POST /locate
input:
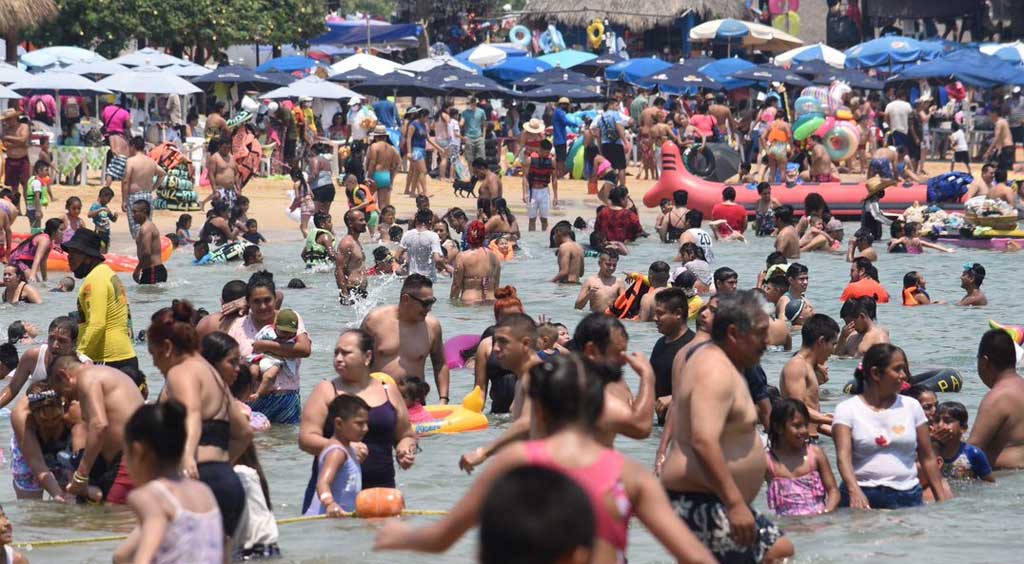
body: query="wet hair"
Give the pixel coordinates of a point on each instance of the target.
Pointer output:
(183, 220)
(16, 330)
(479, 163)
(501, 208)
(144, 206)
(977, 273)
(175, 324)
(740, 309)
(520, 324)
(778, 281)
(569, 391)
(783, 412)
(866, 236)
(774, 258)
(878, 357)
(506, 298)
(862, 263)
(618, 195)
(522, 509)
(911, 279)
(728, 193)
(415, 388)
(296, 284)
(784, 213)
(953, 409)
(659, 272)
(997, 345)
(610, 254)
(692, 249)
(917, 392)
(64, 324)
(694, 218)
(561, 228)
(137, 143)
(597, 328)
(261, 279)
(320, 219)
(395, 233)
(8, 356)
(423, 217)
(160, 428)
(814, 203)
(232, 291)
(346, 406)
(680, 197)
(853, 307)
(380, 253)
(819, 326)
(416, 281)
(795, 270)
(674, 299)
(366, 341)
(249, 253)
(216, 346)
(725, 273)
(52, 225)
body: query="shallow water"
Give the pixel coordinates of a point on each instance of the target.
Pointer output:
(979, 526)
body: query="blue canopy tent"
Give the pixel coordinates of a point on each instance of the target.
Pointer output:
(681, 78)
(764, 74)
(516, 68)
(290, 64)
(971, 67)
(553, 76)
(890, 52)
(363, 33)
(633, 71)
(552, 92)
(568, 58)
(721, 71)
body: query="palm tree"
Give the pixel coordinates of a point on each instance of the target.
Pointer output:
(19, 15)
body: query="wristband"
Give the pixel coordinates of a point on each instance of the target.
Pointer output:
(79, 479)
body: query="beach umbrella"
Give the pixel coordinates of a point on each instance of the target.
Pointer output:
(59, 55)
(368, 62)
(358, 74)
(721, 71)
(891, 51)
(971, 67)
(55, 82)
(397, 84)
(8, 94)
(289, 64)
(744, 34)
(104, 68)
(807, 53)
(10, 73)
(460, 82)
(149, 57)
(313, 87)
(597, 66)
(634, 70)
(771, 73)
(813, 68)
(552, 76)
(681, 78)
(567, 59)
(515, 68)
(148, 80)
(190, 70)
(483, 55)
(854, 77)
(249, 78)
(428, 63)
(552, 92)
(1009, 52)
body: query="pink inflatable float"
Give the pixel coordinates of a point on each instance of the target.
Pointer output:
(453, 349)
(844, 199)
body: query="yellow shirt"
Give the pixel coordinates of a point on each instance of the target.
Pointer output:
(694, 303)
(105, 328)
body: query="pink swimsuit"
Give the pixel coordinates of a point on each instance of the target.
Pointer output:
(603, 482)
(804, 495)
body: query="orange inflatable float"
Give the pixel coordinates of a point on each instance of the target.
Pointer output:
(379, 502)
(844, 199)
(58, 259)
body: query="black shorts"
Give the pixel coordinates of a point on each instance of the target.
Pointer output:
(228, 491)
(324, 194)
(616, 154)
(962, 157)
(289, 150)
(153, 275)
(1006, 157)
(914, 150)
(560, 152)
(1017, 133)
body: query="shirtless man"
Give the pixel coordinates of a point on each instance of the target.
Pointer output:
(981, 184)
(1002, 147)
(569, 255)
(999, 426)
(406, 334)
(861, 330)
(601, 289)
(821, 168)
(883, 163)
(716, 462)
(141, 177)
(223, 171)
(151, 269)
(232, 302)
(17, 169)
(787, 241)
(661, 131)
(382, 162)
(350, 258)
(1001, 190)
(970, 280)
(215, 122)
(8, 213)
(658, 275)
(646, 121)
(108, 398)
(477, 269)
(490, 183)
(723, 115)
(808, 369)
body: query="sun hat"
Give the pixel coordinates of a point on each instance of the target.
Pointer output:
(85, 241)
(534, 126)
(380, 131)
(877, 184)
(564, 100)
(287, 321)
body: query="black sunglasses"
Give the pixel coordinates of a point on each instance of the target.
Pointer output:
(427, 303)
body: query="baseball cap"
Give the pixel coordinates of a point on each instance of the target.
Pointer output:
(287, 321)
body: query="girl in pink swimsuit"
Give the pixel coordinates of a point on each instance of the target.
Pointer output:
(800, 480)
(565, 402)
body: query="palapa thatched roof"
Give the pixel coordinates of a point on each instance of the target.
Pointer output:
(637, 16)
(20, 15)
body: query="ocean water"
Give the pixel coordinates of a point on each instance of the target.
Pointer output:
(980, 525)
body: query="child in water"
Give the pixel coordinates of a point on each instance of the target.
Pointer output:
(913, 243)
(284, 331)
(415, 391)
(72, 217)
(960, 461)
(182, 228)
(11, 556)
(178, 517)
(387, 220)
(252, 233)
(547, 339)
(927, 489)
(340, 478)
(102, 215)
(799, 477)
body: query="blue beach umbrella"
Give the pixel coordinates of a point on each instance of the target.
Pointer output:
(290, 64)
(597, 66)
(634, 70)
(554, 75)
(552, 92)
(1009, 52)
(246, 76)
(854, 77)
(516, 68)
(682, 78)
(818, 52)
(971, 67)
(721, 71)
(568, 58)
(771, 73)
(891, 51)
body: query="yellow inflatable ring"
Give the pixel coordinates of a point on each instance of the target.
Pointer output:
(384, 378)
(845, 115)
(456, 418)
(595, 33)
(788, 22)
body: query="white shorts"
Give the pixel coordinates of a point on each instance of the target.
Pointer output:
(540, 203)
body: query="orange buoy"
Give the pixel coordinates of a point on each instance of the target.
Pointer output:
(379, 502)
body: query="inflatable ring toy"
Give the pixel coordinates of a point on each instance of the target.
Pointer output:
(844, 114)
(840, 144)
(708, 164)
(940, 380)
(822, 131)
(595, 33)
(546, 41)
(788, 22)
(239, 119)
(807, 105)
(808, 128)
(800, 121)
(519, 35)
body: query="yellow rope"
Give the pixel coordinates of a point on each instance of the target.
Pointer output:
(286, 521)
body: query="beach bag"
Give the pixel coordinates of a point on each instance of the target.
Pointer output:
(949, 187)
(609, 129)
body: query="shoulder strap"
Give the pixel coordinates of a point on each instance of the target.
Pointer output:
(166, 493)
(695, 349)
(810, 455)
(771, 463)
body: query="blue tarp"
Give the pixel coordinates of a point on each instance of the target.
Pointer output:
(361, 33)
(633, 71)
(971, 67)
(722, 69)
(516, 68)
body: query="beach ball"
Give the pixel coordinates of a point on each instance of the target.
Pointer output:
(379, 502)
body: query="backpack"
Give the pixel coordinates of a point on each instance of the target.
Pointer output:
(609, 129)
(71, 108)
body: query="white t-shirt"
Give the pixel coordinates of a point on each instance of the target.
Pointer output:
(899, 115)
(884, 442)
(422, 246)
(958, 140)
(454, 133)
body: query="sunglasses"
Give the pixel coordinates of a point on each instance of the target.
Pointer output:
(427, 303)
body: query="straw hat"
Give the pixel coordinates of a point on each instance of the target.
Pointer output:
(563, 100)
(534, 126)
(380, 131)
(877, 184)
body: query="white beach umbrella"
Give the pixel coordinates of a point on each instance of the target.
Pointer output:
(371, 63)
(148, 80)
(485, 55)
(59, 55)
(10, 73)
(313, 87)
(190, 70)
(56, 82)
(149, 57)
(430, 63)
(817, 52)
(105, 68)
(8, 94)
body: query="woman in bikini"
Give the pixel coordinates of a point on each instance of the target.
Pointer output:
(17, 289)
(777, 140)
(477, 269)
